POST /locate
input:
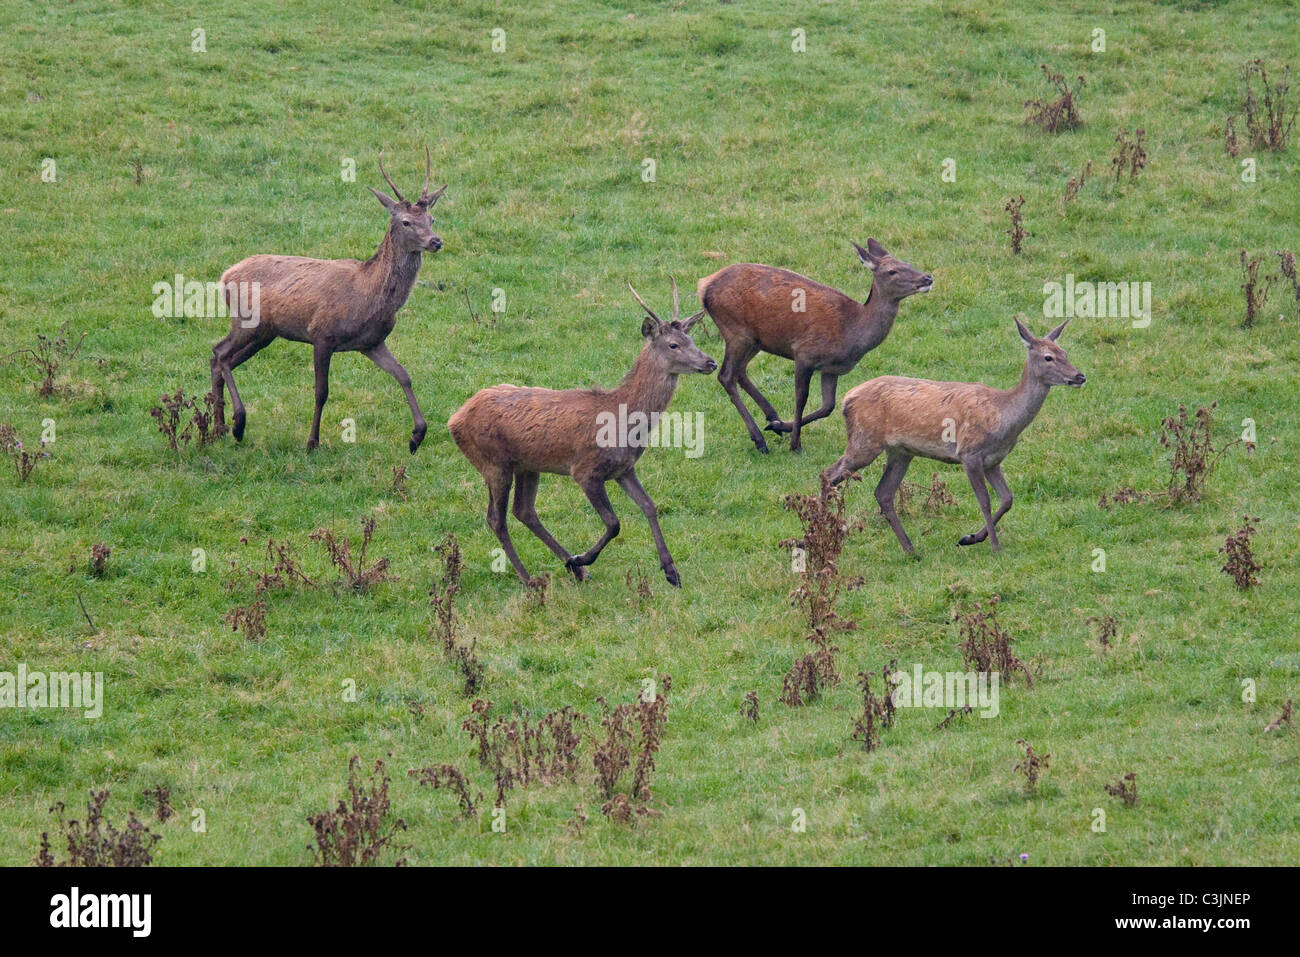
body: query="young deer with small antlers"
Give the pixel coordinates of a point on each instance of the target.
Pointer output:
(962, 423)
(337, 305)
(765, 309)
(513, 434)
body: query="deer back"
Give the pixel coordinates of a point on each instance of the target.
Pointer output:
(536, 430)
(296, 293)
(936, 420)
(785, 313)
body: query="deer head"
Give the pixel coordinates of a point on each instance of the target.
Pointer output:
(1047, 361)
(411, 225)
(671, 341)
(894, 278)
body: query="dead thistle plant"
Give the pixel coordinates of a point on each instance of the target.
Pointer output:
(816, 556)
(1241, 563)
(250, 618)
(986, 646)
(355, 574)
(1194, 457)
(877, 710)
(48, 354)
(1255, 291)
(1285, 718)
(1033, 766)
(1014, 207)
(1125, 789)
(1268, 124)
(361, 828)
(1062, 113)
(97, 842)
(450, 777)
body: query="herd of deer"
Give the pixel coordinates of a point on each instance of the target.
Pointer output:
(513, 434)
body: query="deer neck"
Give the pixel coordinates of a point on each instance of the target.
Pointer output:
(874, 320)
(393, 273)
(1020, 405)
(648, 387)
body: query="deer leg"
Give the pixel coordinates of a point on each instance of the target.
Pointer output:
(802, 379)
(321, 355)
(732, 371)
(769, 410)
(829, 384)
(999, 484)
(235, 357)
(526, 511)
(854, 459)
(219, 352)
(895, 468)
(595, 489)
(975, 472)
(382, 357)
(632, 485)
(498, 484)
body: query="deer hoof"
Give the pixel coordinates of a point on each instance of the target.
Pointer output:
(579, 573)
(761, 446)
(238, 430)
(417, 437)
(673, 578)
(776, 425)
(313, 444)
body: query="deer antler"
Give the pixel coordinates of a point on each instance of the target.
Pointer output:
(427, 199)
(391, 184)
(643, 305)
(677, 313)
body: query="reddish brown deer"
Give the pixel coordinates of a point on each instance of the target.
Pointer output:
(962, 423)
(765, 309)
(513, 434)
(337, 305)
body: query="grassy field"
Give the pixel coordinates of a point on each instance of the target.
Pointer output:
(171, 161)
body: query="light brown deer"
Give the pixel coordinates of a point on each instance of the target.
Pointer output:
(513, 434)
(766, 309)
(963, 423)
(337, 305)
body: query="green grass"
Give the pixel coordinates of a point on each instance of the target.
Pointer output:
(762, 155)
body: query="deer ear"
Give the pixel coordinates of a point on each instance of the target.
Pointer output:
(388, 202)
(1056, 333)
(868, 260)
(429, 200)
(876, 249)
(689, 324)
(1025, 334)
(650, 327)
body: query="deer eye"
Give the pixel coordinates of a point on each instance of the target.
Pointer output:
(893, 272)
(672, 345)
(1047, 358)
(406, 222)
